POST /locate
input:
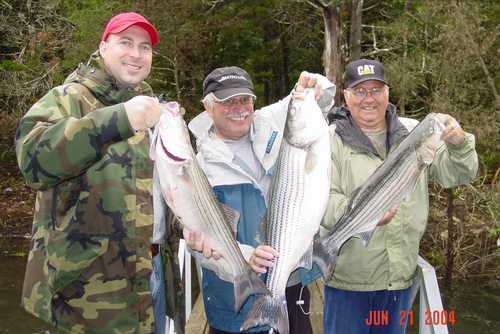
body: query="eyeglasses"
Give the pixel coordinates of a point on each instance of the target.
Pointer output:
(362, 92)
(245, 101)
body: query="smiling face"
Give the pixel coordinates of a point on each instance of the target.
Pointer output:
(232, 117)
(368, 111)
(128, 55)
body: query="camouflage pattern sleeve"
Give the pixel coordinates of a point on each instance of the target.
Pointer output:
(62, 135)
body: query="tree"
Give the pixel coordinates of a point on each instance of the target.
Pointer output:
(332, 55)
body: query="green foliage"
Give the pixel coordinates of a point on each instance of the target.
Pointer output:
(494, 232)
(11, 66)
(434, 60)
(89, 18)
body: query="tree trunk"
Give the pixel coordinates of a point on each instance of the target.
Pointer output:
(355, 29)
(267, 93)
(285, 51)
(332, 56)
(402, 98)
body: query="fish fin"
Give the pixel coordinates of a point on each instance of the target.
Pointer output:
(268, 311)
(306, 259)
(247, 284)
(325, 256)
(364, 236)
(153, 136)
(311, 160)
(261, 234)
(353, 199)
(232, 216)
(219, 266)
(307, 277)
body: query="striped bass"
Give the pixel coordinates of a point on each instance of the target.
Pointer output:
(297, 201)
(186, 189)
(386, 188)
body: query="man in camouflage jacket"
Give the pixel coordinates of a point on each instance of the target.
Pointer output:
(84, 148)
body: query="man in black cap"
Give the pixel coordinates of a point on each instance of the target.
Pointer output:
(370, 287)
(237, 149)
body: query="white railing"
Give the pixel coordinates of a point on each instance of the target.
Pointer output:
(185, 269)
(432, 317)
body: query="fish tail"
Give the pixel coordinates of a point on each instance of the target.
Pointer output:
(268, 311)
(247, 284)
(325, 257)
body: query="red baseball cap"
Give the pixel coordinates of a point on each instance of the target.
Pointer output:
(120, 22)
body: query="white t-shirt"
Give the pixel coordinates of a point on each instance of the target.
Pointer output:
(245, 157)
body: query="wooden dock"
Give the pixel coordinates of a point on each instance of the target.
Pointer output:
(197, 322)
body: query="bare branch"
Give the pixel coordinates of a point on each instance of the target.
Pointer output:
(374, 52)
(213, 4)
(43, 76)
(315, 4)
(375, 47)
(369, 7)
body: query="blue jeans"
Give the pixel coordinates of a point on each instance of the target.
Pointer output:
(157, 286)
(365, 312)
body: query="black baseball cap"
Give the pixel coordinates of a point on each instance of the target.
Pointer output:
(226, 82)
(362, 70)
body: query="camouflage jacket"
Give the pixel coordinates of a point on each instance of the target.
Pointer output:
(89, 264)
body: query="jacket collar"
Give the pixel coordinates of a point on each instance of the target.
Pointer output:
(351, 134)
(264, 136)
(104, 87)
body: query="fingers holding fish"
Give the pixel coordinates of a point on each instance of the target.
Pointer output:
(198, 242)
(453, 132)
(263, 258)
(307, 80)
(387, 217)
(143, 112)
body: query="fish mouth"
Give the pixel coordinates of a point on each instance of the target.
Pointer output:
(170, 155)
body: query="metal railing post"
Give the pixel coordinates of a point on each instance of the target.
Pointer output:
(430, 300)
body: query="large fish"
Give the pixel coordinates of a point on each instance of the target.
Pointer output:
(385, 188)
(189, 195)
(297, 201)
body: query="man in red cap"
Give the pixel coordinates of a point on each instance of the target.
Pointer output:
(84, 148)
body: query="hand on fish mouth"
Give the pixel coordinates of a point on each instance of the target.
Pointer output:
(453, 132)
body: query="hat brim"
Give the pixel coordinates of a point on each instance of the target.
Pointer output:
(224, 94)
(150, 29)
(366, 79)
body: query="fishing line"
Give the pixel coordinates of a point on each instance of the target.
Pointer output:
(301, 302)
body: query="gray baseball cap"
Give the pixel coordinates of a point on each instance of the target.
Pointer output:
(226, 82)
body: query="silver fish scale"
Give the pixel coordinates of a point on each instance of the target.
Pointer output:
(406, 173)
(215, 219)
(287, 192)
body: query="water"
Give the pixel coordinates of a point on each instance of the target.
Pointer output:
(13, 318)
(475, 306)
(476, 303)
